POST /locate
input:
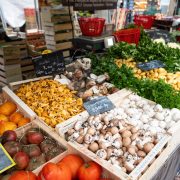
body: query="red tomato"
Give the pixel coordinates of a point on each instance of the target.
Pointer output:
(74, 162)
(52, 171)
(23, 175)
(21, 159)
(90, 171)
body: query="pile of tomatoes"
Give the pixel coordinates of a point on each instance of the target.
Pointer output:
(71, 167)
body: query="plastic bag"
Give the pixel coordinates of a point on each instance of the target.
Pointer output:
(13, 11)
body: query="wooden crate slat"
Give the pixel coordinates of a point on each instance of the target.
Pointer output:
(60, 36)
(63, 36)
(27, 68)
(10, 72)
(11, 79)
(23, 54)
(21, 42)
(9, 62)
(60, 46)
(2, 73)
(10, 67)
(57, 19)
(26, 62)
(3, 84)
(15, 85)
(9, 51)
(58, 27)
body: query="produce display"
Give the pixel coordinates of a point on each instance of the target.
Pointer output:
(157, 91)
(53, 102)
(125, 135)
(71, 167)
(154, 74)
(10, 117)
(136, 130)
(79, 78)
(30, 150)
(147, 50)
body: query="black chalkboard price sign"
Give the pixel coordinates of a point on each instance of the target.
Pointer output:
(6, 161)
(49, 64)
(90, 4)
(150, 65)
(98, 105)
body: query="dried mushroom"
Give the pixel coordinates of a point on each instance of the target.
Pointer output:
(52, 101)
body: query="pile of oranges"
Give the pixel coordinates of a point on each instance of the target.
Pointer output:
(10, 117)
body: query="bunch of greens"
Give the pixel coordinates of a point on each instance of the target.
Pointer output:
(157, 91)
(148, 50)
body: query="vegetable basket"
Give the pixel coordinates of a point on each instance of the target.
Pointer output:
(128, 35)
(146, 21)
(91, 26)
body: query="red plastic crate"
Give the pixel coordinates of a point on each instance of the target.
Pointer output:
(128, 35)
(178, 37)
(91, 26)
(146, 21)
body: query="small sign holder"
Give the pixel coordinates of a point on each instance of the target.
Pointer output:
(49, 64)
(6, 162)
(98, 105)
(150, 65)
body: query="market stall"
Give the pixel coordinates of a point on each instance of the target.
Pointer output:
(111, 112)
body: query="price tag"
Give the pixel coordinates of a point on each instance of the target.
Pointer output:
(6, 162)
(150, 65)
(49, 64)
(98, 105)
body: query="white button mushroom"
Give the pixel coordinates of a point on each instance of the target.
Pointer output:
(158, 108)
(101, 153)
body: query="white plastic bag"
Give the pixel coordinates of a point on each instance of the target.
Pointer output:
(13, 11)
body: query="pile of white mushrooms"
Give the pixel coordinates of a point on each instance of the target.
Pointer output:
(149, 116)
(124, 135)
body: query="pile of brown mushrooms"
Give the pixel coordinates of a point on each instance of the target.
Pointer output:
(78, 77)
(114, 139)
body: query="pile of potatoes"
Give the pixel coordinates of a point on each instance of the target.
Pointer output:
(154, 74)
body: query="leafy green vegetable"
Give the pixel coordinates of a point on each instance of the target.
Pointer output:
(148, 50)
(157, 91)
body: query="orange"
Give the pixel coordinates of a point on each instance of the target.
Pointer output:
(16, 117)
(3, 118)
(23, 122)
(7, 108)
(4, 126)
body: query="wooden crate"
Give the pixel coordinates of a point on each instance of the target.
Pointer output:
(49, 132)
(144, 170)
(58, 37)
(9, 54)
(162, 158)
(7, 94)
(10, 73)
(48, 14)
(68, 148)
(58, 28)
(16, 85)
(36, 42)
(51, 28)
(106, 172)
(136, 173)
(27, 65)
(22, 44)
